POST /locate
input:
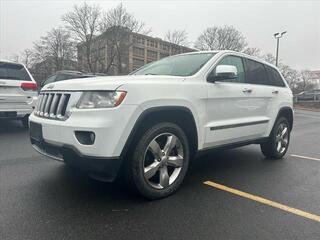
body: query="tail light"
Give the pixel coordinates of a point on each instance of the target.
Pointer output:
(29, 86)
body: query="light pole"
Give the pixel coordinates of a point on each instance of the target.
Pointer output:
(278, 36)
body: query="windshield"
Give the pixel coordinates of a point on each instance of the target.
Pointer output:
(180, 65)
(12, 71)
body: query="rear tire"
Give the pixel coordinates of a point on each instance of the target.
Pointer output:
(159, 161)
(278, 142)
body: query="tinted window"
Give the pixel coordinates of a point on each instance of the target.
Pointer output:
(256, 73)
(13, 71)
(237, 62)
(274, 77)
(180, 65)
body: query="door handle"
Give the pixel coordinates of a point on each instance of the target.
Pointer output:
(246, 90)
(275, 92)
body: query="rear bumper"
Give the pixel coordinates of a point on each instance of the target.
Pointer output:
(12, 114)
(17, 110)
(105, 169)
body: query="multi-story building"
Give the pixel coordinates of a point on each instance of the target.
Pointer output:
(119, 51)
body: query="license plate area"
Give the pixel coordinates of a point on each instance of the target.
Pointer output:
(36, 131)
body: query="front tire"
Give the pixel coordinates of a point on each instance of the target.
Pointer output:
(278, 142)
(160, 161)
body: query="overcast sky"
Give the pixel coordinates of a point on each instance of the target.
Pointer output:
(23, 22)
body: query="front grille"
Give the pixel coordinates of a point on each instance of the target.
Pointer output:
(52, 105)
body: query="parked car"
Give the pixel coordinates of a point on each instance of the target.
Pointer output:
(151, 123)
(18, 92)
(311, 95)
(67, 74)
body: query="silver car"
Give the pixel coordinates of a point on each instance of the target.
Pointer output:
(18, 92)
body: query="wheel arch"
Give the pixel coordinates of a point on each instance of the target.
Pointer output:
(286, 112)
(180, 115)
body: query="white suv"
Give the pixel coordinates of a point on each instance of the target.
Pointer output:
(18, 91)
(152, 122)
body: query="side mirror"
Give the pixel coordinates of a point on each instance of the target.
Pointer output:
(223, 72)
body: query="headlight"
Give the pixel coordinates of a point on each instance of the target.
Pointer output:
(100, 99)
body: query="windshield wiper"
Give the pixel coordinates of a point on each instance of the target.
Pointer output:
(150, 74)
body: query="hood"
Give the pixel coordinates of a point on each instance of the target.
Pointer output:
(107, 82)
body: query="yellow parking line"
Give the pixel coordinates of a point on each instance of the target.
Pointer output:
(264, 201)
(304, 157)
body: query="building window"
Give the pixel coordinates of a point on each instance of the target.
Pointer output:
(175, 50)
(152, 54)
(151, 43)
(138, 51)
(163, 55)
(138, 39)
(137, 63)
(164, 46)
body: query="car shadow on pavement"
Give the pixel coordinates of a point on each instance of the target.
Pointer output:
(11, 126)
(66, 184)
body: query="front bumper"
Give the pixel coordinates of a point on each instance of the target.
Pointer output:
(110, 126)
(105, 169)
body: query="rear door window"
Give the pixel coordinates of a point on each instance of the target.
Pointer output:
(256, 73)
(274, 77)
(12, 71)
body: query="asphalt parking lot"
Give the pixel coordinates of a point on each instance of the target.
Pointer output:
(42, 199)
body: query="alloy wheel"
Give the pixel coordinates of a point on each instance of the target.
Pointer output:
(163, 160)
(282, 138)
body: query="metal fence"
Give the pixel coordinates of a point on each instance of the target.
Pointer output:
(314, 98)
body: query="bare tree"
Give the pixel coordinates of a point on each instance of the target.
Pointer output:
(269, 58)
(306, 82)
(219, 38)
(118, 23)
(27, 57)
(54, 51)
(179, 37)
(56, 46)
(84, 24)
(120, 17)
(252, 51)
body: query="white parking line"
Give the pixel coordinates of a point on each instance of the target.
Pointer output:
(304, 157)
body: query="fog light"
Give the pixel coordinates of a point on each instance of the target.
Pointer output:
(85, 137)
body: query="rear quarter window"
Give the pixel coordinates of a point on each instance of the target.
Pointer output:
(274, 77)
(12, 71)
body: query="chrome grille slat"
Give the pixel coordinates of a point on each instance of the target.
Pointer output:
(38, 104)
(48, 103)
(43, 104)
(52, 105)
(53, 108)
(60, 106)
